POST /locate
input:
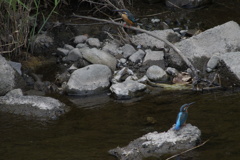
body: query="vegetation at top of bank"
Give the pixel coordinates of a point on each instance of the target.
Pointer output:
(19, 23)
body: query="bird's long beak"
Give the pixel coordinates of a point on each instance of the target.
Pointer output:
(190, 103)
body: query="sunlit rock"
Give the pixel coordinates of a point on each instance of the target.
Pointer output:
(156, 144)
(200, 48)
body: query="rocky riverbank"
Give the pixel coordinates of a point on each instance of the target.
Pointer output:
(130, 70)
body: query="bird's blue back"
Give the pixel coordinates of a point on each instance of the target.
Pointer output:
(181, 119)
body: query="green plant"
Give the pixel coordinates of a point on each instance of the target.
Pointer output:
(17, 25)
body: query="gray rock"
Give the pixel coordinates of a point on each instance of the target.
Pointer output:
(17, 66)
(62, 51)
(230, 68)
(96, 56)
(127, 89)
(94, 42)
(81, 45)
(9, 78)
(68, 47)
(187, 3)
(40, 43)
(128, 50)
(146, 40)
(15, 92)
(156, 144)
(33, 106)
(122, 75)
(154, 58)
(200, 48)
(213, 62)
(156, 73)
(80, 39)
(137, 56)
(74, 55)
(111, 47)
(92, 79)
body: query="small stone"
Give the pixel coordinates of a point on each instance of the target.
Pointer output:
(68, 47)
(156, 73)
(137, 56)
(128, 50)
(94, 42)
(80, 39)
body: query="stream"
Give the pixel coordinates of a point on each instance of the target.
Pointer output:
(99, 123)
(90, 133)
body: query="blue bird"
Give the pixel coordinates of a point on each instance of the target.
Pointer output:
(127, 16)
(182, 116)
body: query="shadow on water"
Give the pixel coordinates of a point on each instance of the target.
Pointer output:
(90, 133)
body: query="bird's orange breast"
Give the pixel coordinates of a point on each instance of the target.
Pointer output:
(125, 18)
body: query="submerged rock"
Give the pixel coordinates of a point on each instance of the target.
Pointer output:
(35, 106)
(156, 144)
(91, 79)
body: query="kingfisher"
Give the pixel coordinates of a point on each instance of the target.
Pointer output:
(127, 16)
(182, 116)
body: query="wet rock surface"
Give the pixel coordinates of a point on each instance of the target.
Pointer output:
(34, 106)
(155, 144)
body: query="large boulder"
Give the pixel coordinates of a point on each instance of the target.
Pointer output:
(228, 67)
(146, 40)
(187, 3)
(92, 79)
(34, 106)
(9, 78)
(156, 144)
(198, 49)
(96, 56)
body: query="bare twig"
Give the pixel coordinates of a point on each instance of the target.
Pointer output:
(188, 150)
(189, 64)
(156, 14)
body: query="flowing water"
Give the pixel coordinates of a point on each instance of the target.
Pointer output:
(90, 133)
(97, 125)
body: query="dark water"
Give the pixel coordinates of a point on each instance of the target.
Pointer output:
(90, 133)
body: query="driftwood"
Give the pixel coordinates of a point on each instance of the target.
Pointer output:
(189, 64)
